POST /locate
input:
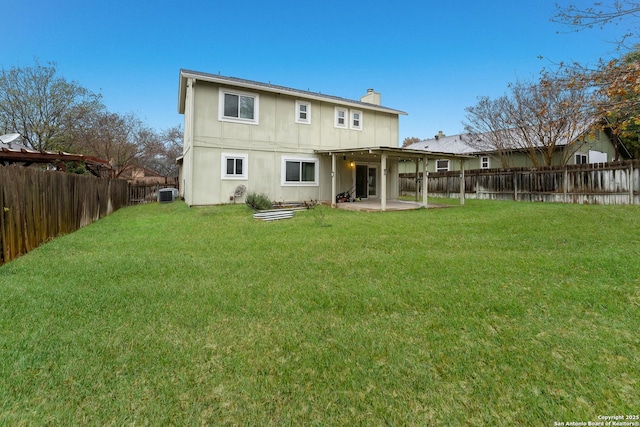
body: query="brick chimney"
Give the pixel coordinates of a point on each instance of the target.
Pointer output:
(372, 97)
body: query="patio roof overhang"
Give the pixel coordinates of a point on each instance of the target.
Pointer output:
(397, 152)
(382, 154)
(94, 164)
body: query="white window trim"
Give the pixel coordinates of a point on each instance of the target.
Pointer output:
(351, 119)
(245, 166)
(346, 118)
(283, 172)
(256, 107)
(306, 121)
(439, 169)
(488, 162)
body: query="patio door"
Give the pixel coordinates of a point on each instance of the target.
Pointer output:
(366, 181)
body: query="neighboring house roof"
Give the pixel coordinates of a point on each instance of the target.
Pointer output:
(458, 144)
(268, 87)
(444, 144)
(13, 145)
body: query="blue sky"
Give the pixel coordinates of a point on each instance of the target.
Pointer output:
(431, 59)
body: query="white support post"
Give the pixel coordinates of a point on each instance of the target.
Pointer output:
(417, 177)
(383, 183)
(333, 180)
(425, 181)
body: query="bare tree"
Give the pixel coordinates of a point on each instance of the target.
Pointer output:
(410, 140)
(599, 15)
(551, 118)
(159, 151)
(41, 106)
(173, 144)
(540, 119)
(486, 128)
(109, 136)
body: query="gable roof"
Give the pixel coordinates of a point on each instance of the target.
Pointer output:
(444, 144)
(268, 87)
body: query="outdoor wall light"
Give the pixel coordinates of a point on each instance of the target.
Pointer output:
(352, 164)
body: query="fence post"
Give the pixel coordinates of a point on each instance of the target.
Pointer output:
(462, 188)
(565, 183)
(425, 182)
(631, 182)
(515, 185)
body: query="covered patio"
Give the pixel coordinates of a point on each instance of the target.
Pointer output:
(379, 165)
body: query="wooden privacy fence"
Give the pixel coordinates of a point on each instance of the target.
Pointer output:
(600, 183)
(37, 206)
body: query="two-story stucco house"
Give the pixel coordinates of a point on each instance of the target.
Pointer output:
(290, 144)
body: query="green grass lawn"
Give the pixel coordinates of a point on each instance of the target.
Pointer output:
(494, 313)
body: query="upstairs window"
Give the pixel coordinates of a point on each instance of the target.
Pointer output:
(356, 119)
(238, 107)
(348, 119)
(581, 159)
(303, 112)
(341, 117)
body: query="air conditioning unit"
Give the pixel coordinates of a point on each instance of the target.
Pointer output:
(167, 194)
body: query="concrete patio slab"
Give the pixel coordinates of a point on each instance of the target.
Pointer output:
(373, 205)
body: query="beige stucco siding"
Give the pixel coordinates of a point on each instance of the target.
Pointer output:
(276, 135)
(277, 125)
(264, 176)
(186, 170)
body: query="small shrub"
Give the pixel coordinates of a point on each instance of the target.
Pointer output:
(258, 201)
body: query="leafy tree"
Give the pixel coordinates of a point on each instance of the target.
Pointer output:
(42, 106)
(617, 82)
(619, 85)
